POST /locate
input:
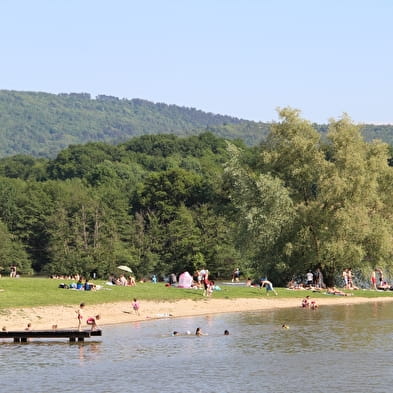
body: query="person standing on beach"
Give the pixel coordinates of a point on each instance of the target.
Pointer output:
(345, 278)
(135, 306)
(380, 276)
(374, 280)
(319, 279)
(80, 315)
(236, 275)
(205, 282)
(310, 278)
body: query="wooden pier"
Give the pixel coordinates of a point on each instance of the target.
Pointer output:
(72, 335)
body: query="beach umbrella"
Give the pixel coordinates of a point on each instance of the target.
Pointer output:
(125, 268)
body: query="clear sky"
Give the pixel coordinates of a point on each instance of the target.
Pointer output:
(242, 58)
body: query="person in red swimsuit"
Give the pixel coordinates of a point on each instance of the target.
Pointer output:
(92, 321)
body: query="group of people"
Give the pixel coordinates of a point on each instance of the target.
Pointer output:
(198, 333)
(203, 281)
(313, 281)
(348, 279)
(81, 285)
(90, 321)
(122, 280)
(379, 283)
(308, 303)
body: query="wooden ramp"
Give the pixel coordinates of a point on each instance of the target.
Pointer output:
(72, 335)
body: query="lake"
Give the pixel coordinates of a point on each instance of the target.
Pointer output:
(332, 349)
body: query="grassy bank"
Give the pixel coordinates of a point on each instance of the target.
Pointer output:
(32, 292)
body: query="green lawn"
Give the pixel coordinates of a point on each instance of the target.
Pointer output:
(30, 292)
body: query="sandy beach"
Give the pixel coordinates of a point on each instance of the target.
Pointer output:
(65, 317)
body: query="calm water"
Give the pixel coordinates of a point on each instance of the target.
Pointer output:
(333, 349)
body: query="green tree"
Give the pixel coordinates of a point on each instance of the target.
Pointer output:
(340, 204)
(264, 207)
(355, 194)
(12, 252)
(82, 237)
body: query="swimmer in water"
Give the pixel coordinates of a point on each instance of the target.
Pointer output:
(199, 332)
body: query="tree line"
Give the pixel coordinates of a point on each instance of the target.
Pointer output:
(41, 124)
(163, 204)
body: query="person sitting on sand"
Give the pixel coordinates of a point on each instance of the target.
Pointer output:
(92, 321)
(383, 286)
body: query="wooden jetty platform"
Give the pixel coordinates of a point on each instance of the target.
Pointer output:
(72, 335)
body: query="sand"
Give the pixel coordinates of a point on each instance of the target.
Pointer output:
(65, 317)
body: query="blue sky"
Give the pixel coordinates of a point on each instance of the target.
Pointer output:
(242, 58)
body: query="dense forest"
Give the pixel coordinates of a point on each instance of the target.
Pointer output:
(41, 124)
(299, 200)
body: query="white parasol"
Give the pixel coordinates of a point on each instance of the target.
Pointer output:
(125, 268)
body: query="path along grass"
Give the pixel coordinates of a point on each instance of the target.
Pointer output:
(33, 292)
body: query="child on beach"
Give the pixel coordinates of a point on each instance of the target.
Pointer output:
(92, 321)
(79, 315)
(135, 306)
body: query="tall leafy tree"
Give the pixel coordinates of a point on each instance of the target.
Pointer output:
(354, 193)
(264, 207)
(337, 192)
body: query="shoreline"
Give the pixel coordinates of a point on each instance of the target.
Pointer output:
(65, 317)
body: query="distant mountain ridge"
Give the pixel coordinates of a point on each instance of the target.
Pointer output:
(42, 124)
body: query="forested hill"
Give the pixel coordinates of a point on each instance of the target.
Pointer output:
(42, 124)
